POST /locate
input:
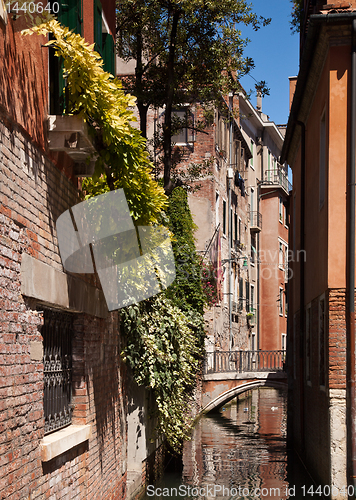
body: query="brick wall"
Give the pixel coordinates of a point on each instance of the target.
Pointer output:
(337, 339)
(33, 194)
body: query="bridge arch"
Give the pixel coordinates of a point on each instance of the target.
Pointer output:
(228, 395)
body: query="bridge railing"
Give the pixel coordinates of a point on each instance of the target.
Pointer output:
(244, 361)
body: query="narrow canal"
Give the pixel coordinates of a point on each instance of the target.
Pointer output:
(240, 452)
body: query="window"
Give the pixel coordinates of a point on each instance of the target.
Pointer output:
(281, 301)
(322, 344)
(307, 342)
(247, 285)
(280, 255)
(253, 248)
(240, 235)
(217, 199)
(284, 341)
(224, 217)
(281, 209)
(285, 211)
(231, 230)
(252, 203)
(322, 161)
(57, 331)
(253, 342)
(269, 166)
(252, 149)
(183, 123)
(241, 294)
(252, 298)
(236, 228)
(70, 15)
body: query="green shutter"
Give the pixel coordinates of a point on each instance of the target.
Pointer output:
(109, 53)
(70, 15)
(98, 29)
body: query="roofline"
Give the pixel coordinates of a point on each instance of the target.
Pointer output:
(313, 36)
(263, 124)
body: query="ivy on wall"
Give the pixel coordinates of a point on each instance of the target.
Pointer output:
(164, 334)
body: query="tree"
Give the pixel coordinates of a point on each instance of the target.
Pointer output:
(184, 50)
(297, 15)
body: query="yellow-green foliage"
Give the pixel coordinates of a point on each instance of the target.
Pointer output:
(123, 160)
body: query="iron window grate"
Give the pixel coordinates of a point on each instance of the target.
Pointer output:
(57, 332)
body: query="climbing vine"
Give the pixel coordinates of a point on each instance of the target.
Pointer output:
(165, 334)
(98, 97)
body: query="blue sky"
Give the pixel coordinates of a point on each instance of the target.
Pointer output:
(275, 51)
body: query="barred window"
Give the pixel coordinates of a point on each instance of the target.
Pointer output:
(57, 332)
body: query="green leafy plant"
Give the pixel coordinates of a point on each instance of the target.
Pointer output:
(123, 161)
(165, 354)
(165, 334)
(297, 15)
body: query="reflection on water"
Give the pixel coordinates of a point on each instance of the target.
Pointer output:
(242, 447)
(240, 452)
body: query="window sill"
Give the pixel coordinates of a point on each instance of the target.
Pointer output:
(63, 440)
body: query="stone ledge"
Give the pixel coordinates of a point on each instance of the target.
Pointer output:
(245, 376)
(133, 484)
(43, 282)
(63, 440)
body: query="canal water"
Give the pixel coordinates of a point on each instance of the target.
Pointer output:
(240, 452)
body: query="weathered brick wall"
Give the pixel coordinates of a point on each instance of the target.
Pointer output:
(337, 339)
(33, 194)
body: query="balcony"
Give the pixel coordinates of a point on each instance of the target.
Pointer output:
(255, 222)
(277, 177)
(70, 133)
(251, 316)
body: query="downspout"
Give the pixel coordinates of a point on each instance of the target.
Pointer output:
(258, 246)
(351, 260)
(231, 102)
(302, 283)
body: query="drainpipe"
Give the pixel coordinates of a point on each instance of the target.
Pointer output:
(230, 175)
(350, 274)
(302, 283)
(258, 245)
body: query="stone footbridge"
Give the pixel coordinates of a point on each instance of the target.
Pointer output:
(229, 373)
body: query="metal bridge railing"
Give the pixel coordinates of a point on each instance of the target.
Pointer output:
(244, 361)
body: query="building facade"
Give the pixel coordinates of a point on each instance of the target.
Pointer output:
(63, 395)
(268, 188)
(251, 230)
(320, 148)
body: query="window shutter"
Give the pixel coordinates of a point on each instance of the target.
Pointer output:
(109, 53)
(98, 27)
(70, 15)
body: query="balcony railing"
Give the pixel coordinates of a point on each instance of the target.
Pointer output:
(278, 177)
(255, 221)
(244, 361)
(251, 316)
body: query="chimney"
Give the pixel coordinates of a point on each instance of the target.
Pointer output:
(292, 85)
(259, 101)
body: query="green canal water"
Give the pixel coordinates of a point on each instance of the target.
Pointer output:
(240, 452)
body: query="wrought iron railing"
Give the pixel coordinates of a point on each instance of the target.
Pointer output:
(256, 221)
(57, 332)
(251, 316)
(278, 176)
(244, 361)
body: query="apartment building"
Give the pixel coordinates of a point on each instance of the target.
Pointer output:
(320, 148)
